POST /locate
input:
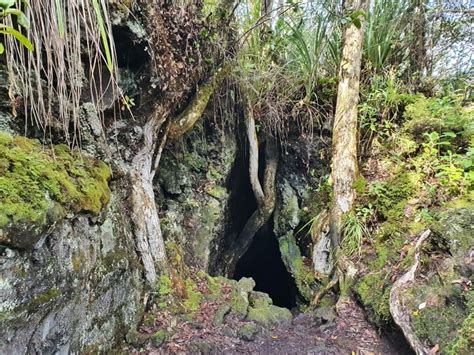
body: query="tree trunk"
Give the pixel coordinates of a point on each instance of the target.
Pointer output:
(145, 217)
(344, 146)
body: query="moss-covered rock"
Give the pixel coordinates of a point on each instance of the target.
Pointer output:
(259, 299)
(373, 291)
(248, 331)
(39, 185)
(268, 315)
(293, 260)
(240, 297)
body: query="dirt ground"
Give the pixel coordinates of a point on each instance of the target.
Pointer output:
(348, 332)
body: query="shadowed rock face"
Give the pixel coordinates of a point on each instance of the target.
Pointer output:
(79, 288)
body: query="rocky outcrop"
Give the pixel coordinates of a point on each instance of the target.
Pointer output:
(79, 289)
(194, 197)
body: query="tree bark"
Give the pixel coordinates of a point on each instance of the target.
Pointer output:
(344, 139)
(145, 217)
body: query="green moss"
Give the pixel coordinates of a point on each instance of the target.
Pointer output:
(113, 257)
(436, 114)
(159, 337)
(464, 343)
(165, 286)
(303, 274)
(214, 285)
(268, 315)
(374, 293)
(43, 298)
(436, 324)
(39, 184)
(360, 184)
(194, 297)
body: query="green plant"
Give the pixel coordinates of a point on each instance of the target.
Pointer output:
(385, 22)
(7, 9)
(354, 232)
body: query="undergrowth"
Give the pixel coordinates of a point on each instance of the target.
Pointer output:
(421, 158)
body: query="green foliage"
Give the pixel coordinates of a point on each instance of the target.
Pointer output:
(104, 34)
(425, 115)
(385, 195)
(165, 286)
(443, 128)
(464, 342)
(383, 33)
(63, 53)
(354, 232)
(33, 176)
(7, 9)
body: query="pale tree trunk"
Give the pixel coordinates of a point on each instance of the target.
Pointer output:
(344, 138)
(145, 217)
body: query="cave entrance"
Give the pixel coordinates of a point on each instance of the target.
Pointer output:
(263, 263)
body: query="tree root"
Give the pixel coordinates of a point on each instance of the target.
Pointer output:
(188, 118)
(322, 292)
(264, 195)
(400, 315)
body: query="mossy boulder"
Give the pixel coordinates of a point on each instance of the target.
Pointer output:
(259, 299)
(240, 297)
(248, 331)
(40, 185)
(268, 315)
(446, 315)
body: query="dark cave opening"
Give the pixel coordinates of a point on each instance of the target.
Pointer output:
(263, 263)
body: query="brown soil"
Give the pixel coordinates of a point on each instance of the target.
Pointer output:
(348, 333)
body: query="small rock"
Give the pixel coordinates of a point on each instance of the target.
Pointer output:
(257, 299)
(325, 314)
(136, 339)
(248, 332)
(229, 331)
(240, 298)
(159, 338)
(221, 312)
(246, 284)
(200, 347)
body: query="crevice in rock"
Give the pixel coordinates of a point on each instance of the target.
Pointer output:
(263, 263)
(131, 53)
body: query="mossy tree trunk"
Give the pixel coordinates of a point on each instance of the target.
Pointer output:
(344, 138)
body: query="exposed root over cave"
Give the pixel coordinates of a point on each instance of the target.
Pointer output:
(265, 195)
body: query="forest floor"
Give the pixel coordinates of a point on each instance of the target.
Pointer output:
(348, 332)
